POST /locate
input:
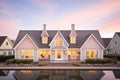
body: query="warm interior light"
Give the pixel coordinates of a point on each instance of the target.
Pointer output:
(44, 53)
(91, 54)
(44, 40)
(26, 54)
(72, 40)
(58, 43)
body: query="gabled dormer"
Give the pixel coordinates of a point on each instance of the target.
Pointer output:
(44, 35)
(73, 35)
(58, 41)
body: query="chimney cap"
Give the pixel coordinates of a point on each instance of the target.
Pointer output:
(73, 25)
(44, 25)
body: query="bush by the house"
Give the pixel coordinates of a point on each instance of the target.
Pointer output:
(42, 64)
(24, 61)
(98, 61)
(10, 61)
(76, 64)
(4, 58)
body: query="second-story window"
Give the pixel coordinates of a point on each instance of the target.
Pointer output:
(44, 40)
(58, 43)
(73, 40)
(6, 43)
(115, 42)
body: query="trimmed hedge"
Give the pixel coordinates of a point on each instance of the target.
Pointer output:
(10, 61)
(18, 61)
(99, 61)
(76, 64)
(24, 61)
(4, 58)
(42, 64)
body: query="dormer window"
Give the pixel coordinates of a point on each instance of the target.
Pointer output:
(58, 43)
(44, 35)
(6, 43)
(44, 40)
(115, 42)
(73, 35)
(72, 40)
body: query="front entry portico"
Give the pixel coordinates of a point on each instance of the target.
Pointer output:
(59, 55)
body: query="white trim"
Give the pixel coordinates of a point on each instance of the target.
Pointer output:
(23, 39)
(44, 49)
(73, 48)
(56, 36)
(95, 39)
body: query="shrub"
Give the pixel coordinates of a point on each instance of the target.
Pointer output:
(76, 64)
(10, 61)
(100, 61)
(24, 61)
(4, 58)
(42, 64)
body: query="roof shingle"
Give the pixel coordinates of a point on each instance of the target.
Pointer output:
(82, 35)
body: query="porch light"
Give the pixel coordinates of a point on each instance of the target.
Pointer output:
(52, 52)
(65, 52)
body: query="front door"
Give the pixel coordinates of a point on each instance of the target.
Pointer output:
(58, 55)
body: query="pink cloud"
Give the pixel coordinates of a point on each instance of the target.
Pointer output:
(4, 8)
(89, 14)
(108, 28)
(9, 27)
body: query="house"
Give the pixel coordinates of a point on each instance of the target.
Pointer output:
(59, 45)
(6, 46)
(114, 45)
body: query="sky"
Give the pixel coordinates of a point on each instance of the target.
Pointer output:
(102, 15)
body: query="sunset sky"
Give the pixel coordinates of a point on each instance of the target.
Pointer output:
(16, 15)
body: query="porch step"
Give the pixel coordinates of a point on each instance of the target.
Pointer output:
(59, 61)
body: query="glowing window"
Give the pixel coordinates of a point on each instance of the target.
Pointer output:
(44, 40)
(92, 54)
(44, 53)
(58, 43)
(26, 54)
(72, 40)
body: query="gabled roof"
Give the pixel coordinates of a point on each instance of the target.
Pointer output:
(118, 33)
(2, 39)
(87, 38)
(32, 39)
(59, 33)
(106, 41)
(82, 35)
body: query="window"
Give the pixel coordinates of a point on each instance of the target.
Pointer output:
(58, 43)
(5, 53)
(91, 54)
(43, 54)
(10, 53)
(115, 42)
(6, 43)
(26, 54)
(44, 40)
(72, 40)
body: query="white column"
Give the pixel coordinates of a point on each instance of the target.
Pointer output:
(83, 55)
(35, 59)
(100, 54)
(16, 54)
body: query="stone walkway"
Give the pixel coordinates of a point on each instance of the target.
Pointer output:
(60, 68)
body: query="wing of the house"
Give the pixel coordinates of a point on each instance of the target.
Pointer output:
(114, 44)
(58, 45)
(6, 46)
